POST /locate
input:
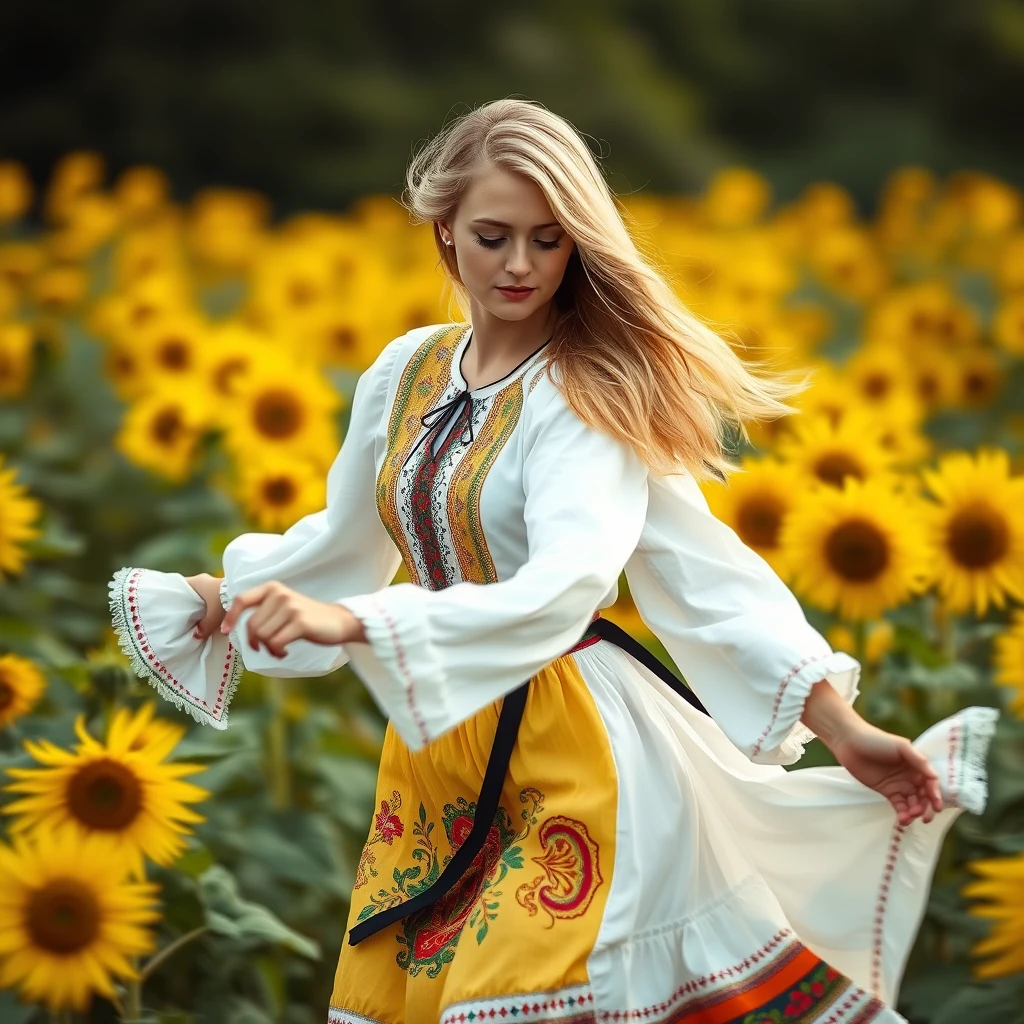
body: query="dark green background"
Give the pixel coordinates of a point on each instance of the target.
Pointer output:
(318, 101)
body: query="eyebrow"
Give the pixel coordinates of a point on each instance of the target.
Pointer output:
(502, 224)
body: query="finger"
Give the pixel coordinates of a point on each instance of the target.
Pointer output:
(256, 628)
(899, 803)
(273, 623)
(277, 643)
(244, 600)
(206, 626)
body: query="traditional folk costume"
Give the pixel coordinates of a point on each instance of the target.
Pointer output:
(627, 854)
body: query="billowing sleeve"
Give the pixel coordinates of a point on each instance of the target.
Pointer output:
(731, 625)
(436, 657)
(341, 549)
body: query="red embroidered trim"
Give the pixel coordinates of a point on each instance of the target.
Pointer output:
(410, 697)
(882, 904)
(954, 741)
(778, 701)
(528, 1011)
(143, 641)
(696, 984)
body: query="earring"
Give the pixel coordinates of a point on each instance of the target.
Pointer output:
(447, 241)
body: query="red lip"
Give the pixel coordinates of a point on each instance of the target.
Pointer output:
(505, 288)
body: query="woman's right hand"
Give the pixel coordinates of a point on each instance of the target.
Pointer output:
(208, 588)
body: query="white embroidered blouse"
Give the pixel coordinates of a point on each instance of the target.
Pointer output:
(514, 519)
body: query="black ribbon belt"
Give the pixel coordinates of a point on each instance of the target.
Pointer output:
(509, 717)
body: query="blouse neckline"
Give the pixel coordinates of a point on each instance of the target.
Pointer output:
(486, 390)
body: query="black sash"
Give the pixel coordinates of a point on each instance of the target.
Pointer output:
(510, 716)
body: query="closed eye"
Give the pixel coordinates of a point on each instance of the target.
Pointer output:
(493, 243)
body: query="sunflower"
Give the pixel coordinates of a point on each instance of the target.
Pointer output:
(17, 514)
(859, 550)
(15, 358)
(21, 685)
(172, 349)
(69, 920)
(280, 489)
(977, 527)
(937, 380)
(142, 731)
(234, 349)
(831, 394)
(846, 258)
(1008, 325)
(122, 788)
(755, 502)
(980, 377)
(830, 452)
(1001, 883)
(161, 431)
(1009, 661)
(281, 406)
(880, 374)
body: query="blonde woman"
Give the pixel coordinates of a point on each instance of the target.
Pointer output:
(564, 831)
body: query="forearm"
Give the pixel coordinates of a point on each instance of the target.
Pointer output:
(828, 716)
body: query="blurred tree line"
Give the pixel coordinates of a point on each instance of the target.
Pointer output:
(316, 102)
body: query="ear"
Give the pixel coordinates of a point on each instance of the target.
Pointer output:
(445, 231)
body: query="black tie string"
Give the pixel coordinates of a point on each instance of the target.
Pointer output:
(441, 415)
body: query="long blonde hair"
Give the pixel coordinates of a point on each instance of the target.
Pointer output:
(633, 361)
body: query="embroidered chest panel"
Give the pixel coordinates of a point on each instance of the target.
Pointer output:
(428, 489)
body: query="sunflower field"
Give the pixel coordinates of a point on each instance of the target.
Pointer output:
(173, 374)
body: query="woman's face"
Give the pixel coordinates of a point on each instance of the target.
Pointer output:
(523, 246)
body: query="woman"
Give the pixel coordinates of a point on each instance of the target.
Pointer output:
(625, 853)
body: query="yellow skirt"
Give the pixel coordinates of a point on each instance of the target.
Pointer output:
(525, 916)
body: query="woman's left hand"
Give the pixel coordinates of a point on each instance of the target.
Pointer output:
(893, 766)
(283, 615)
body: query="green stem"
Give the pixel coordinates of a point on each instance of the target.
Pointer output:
(133, 996)
(277, 746)
(168, 951)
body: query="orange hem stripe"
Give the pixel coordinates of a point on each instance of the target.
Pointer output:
(799, 967)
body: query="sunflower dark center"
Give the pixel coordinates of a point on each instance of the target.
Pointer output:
(978, 537)
(105, 795)
(877, 385)
(978, 384)
(63, 916)
(226, 372)
(6, 693)
(279, 491)
(175, 354)
(277, 414)
(343, 339)
(167, 426)
(834, 467)
(758, 520)
(857, 551)
(123, 364)
(928, 385)
(142, 313)
(301, 293)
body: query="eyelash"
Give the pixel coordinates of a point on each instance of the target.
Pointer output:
(493, 243)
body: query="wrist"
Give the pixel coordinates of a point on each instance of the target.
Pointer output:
(829, 716)
(351, 626)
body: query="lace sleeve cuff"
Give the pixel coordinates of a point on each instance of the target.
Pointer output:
(784, 735)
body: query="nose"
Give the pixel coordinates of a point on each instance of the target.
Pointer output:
(518, 261)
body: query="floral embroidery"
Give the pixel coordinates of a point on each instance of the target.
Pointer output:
(422, 383)
(421, 507)
(428, 938)
(475, 563)
(807, 1000)
(387, 828)
(431, 505)
(571, 873)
